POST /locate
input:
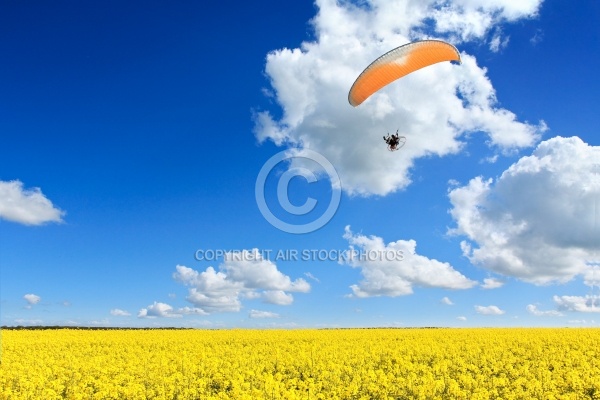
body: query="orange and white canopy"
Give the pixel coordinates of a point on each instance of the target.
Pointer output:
(397, 63)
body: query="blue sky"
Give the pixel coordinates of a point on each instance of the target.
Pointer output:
(133, 135)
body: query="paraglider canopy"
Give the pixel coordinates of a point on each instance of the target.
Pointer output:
(397, 63)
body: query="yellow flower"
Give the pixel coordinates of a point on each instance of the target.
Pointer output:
(300, 364)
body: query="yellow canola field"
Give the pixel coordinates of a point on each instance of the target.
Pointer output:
(301, 364)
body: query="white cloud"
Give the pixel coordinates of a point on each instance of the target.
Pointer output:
(23, 321)
(278, 297)
(492, 283)
(212, 302)
(582, 321)
(537, 37)
(210, 289)
(498, 41)
(532, 309)
(255, 272)
(32, 299)
(163, 310)
(461, 318)
(489, 160)
(191, 311)
(393, 269)
(246, 275)
(435, 108)
(591, 277)
(471, 19)
(585, 304)
(489, 310)
(119, 313)
(158, 310)
(447, 301)
(26, 206)
(311, 276)
(263, 314)
(537, 222)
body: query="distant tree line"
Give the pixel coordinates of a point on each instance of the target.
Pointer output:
(85, 328)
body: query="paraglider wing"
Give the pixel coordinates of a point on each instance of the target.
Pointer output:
(397, 63)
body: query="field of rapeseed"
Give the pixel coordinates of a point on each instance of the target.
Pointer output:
(301, 364)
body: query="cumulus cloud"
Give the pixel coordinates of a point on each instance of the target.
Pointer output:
(263, 314)
(26, 206)
(585, 304)
(491, 283)
(591, 277)
(447, 301)
(311, 276)
(278, 297)
(472, 19)
(32, 299)
(537, 37)
(119, 313)
(163, 310)
(243, 275)
(538, 221)
(255, 272)
(532, 309)
(393, 269)
(498, 41)
(435, 108)
(489, 310)
(582, 322)
(191, 311)
(158, 310)
(23, 321)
